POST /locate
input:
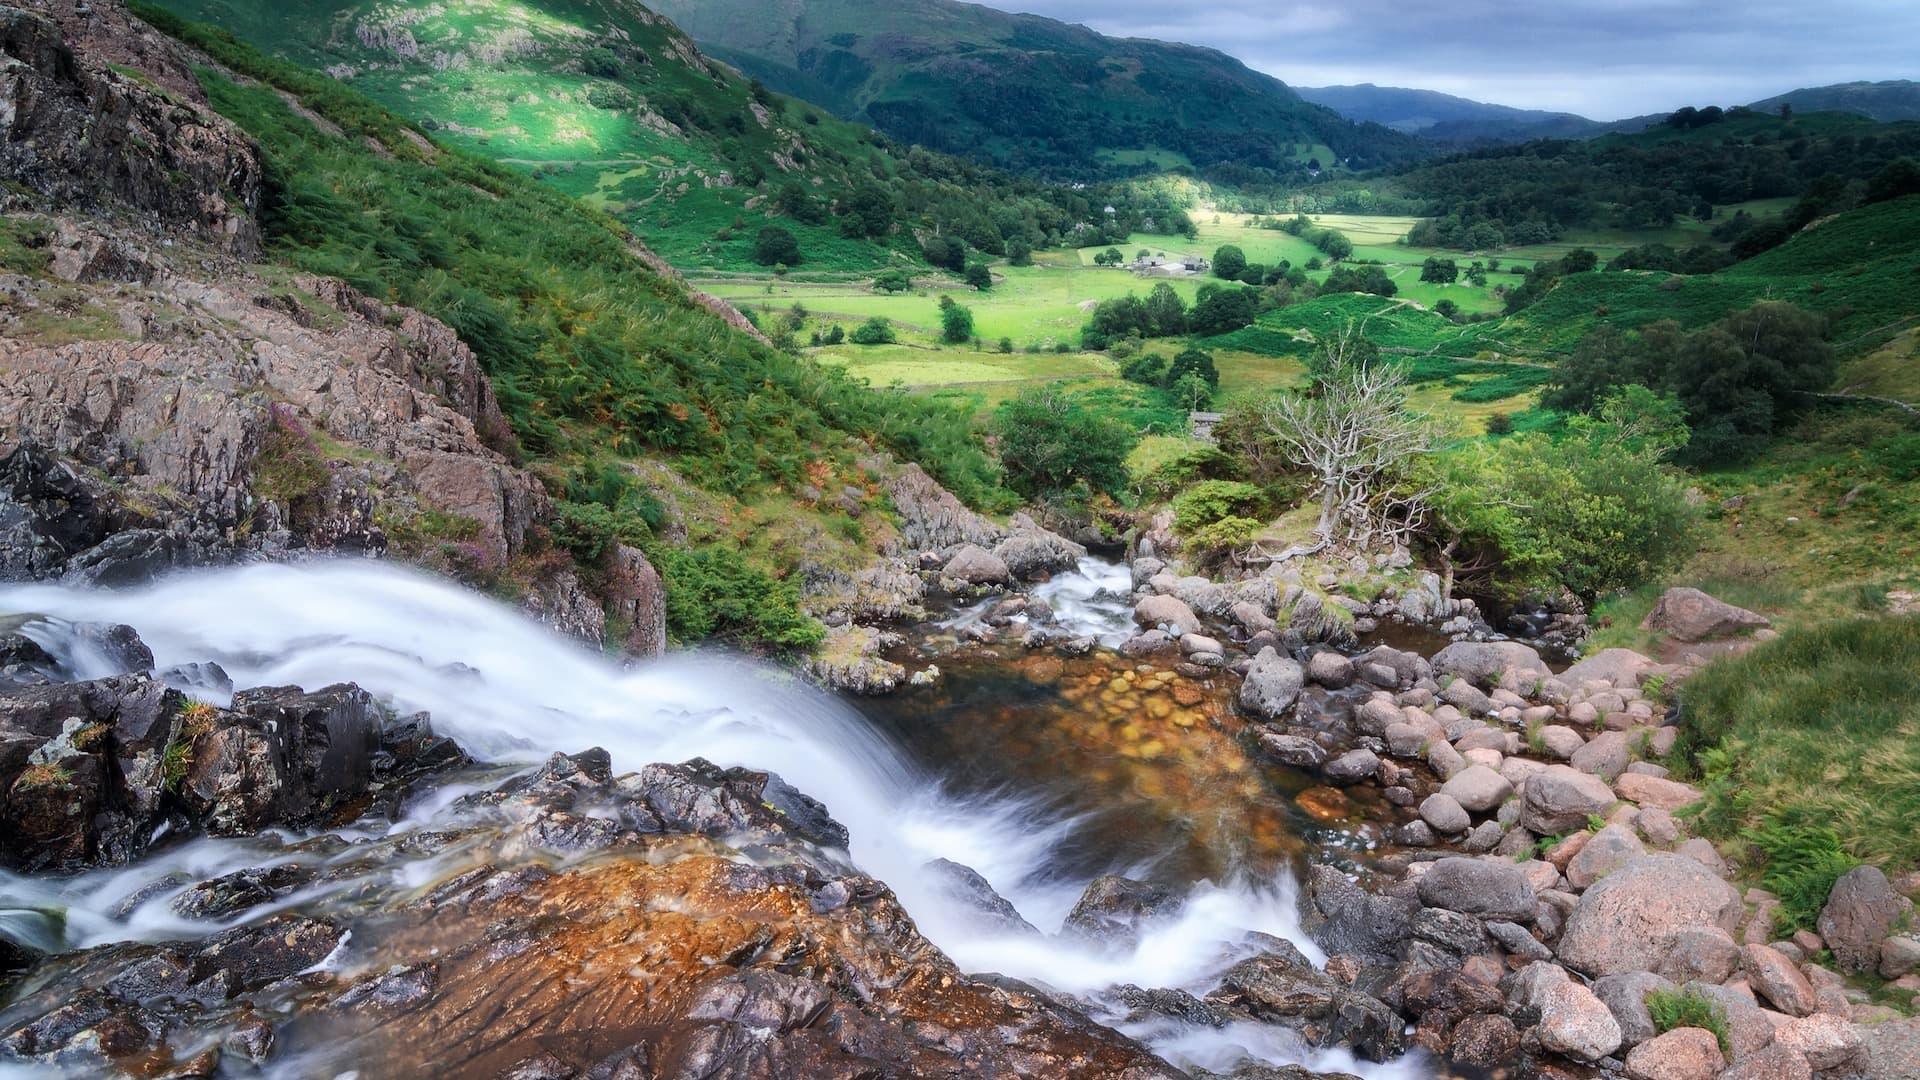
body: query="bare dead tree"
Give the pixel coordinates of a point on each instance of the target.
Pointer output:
(1355, 434)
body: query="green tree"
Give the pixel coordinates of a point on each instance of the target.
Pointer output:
(1578, 261)
(1218, 310)
(1019, 253)
(1110, 257)
(1195, 362)
(776, 246)
(875, 331)
(1594, 512)
(893, 281)
(979, 276)
(1741, 377)
(1229, 262)
(1439, 271)
(956, 322)
(1166, 313)
(867, 211)
(1191, 392)
(1052, 447)
(836, 334)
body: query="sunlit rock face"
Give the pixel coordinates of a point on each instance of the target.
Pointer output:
(705, 967)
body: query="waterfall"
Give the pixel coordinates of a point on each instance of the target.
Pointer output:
(510, 690)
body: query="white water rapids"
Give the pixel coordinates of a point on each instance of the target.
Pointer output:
(510, 690)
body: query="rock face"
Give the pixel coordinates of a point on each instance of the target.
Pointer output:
(1860, 913)
(1691, 615)
(82, 135)
(1619, 923)
(785, 964)
(90, 770)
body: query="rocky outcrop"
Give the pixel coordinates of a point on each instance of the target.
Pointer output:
(935, 522)
(1691, 615)
(79, 134)
(784, 963)
(90, 771)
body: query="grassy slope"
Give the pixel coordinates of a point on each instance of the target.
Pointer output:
(655, 140)
(599, 362)
(1026, 92)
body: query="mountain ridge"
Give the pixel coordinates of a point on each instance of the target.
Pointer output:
(1029, 93)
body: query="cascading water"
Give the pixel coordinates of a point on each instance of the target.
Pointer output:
(1095, 601)
(512, 691)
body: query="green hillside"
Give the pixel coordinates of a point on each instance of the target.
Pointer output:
(608, 102)
(1032, 94)
(1861, 269)
(600, 363)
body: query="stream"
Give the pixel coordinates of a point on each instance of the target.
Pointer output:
(1039, 773)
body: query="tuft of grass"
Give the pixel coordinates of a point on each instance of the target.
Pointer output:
(1673, 1009)
(196, 719)
(1818, 728)
(39, 776)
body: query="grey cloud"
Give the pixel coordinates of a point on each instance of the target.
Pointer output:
(1602, 59)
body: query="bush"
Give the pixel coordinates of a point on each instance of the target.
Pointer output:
(1052, 446)
(1673, 1009)
(712, 592)
(1215, 500)
(875, 331)
(1595, 512)
(1202, 461)
(956, 322)
(776, 246)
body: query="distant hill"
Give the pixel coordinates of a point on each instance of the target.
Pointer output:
(609, 102)
(1032, 94)
(1894, 99)
(1446, 118)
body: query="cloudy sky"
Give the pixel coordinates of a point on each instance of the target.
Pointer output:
(1606, 59)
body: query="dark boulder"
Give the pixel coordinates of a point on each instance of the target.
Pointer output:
(1114, 908)
(1346, 920)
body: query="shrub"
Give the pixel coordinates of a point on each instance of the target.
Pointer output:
(956, 322)
(289, 470)
(712, 592)
(1214, 500)
(1052, 446)
(875, 331)
(776, 246)
(1672, 1009)
(1202, 461)
(1595, 512)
